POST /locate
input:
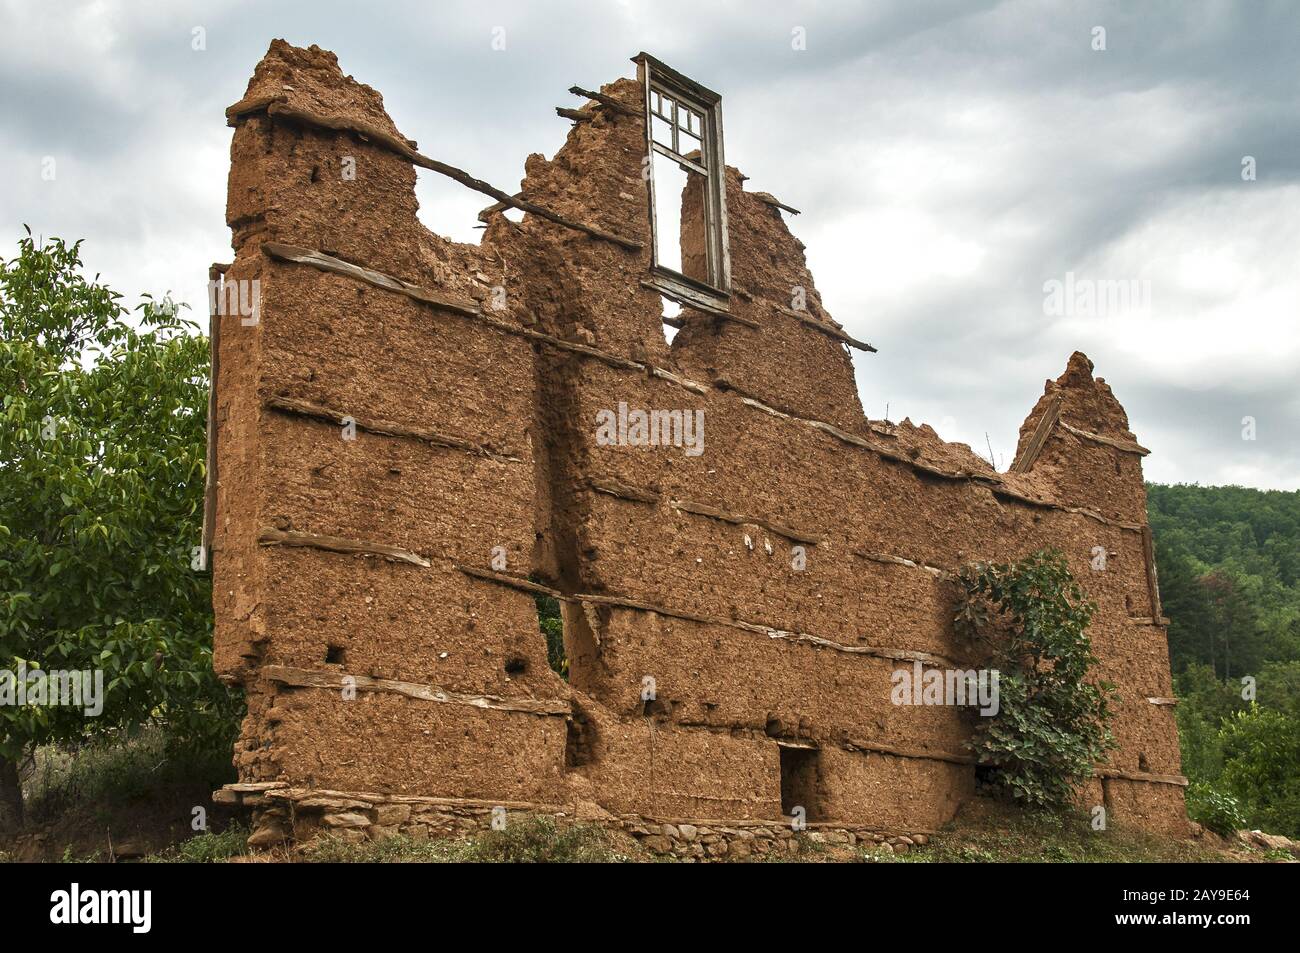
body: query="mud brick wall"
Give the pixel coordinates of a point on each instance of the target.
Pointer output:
(406, 457)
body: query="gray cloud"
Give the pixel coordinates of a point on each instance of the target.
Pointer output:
(949, 159)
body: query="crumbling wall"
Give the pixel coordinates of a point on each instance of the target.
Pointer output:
(407, 456)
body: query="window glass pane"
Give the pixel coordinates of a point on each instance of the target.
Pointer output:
(662, 132)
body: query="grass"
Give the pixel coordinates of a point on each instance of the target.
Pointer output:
(207, 848)
(136, 790)
(120, 769)
(989, 832)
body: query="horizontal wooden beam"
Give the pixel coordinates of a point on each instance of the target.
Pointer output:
(738, 519)
(769, 199)
(338, 544)
(388, 428)
(1128, 446)
(608, 102)
(623, 602)
(1175, 779)
(577, 115)
(825, 327)
(696, 302)
(317, 678)
(876, 747)
(307, 256)
(623, 491)
(514, 582)
(901, 561)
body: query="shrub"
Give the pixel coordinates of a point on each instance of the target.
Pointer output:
(1217, 810)
(1050, 728)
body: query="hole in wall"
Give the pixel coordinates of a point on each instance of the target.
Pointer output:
(335, 655)
(579, 741)
(550, 619)
(801, 781)
(516, 665)
(1143, 764)
(673, 311)
(655, 708)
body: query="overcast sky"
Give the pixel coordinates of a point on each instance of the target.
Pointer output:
(950, 160)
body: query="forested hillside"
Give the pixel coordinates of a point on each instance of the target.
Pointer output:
(1229, 564)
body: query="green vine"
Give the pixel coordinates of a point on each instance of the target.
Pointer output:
(1050, 728)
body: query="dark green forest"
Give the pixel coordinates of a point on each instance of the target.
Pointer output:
(1229, 564)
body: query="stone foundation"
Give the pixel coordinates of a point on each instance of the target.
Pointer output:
(285, 815)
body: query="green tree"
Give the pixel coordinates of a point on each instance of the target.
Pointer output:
(1261, 749)
(1051, 726)
(101, 493)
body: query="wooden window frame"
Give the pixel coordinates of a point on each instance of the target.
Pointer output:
(657, 78)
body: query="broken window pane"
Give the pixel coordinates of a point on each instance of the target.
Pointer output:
(670, 185)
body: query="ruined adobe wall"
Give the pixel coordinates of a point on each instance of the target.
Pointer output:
(474, 376)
